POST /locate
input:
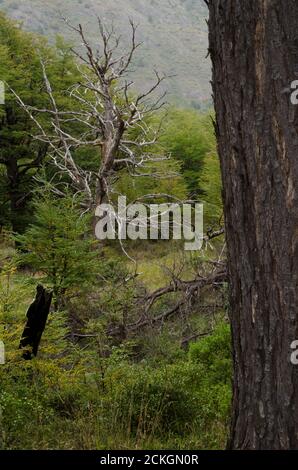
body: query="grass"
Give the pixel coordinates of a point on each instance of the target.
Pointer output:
(72, 397)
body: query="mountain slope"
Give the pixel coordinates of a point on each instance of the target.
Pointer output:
(174, 35)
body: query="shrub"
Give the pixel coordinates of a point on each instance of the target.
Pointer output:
(56, 246)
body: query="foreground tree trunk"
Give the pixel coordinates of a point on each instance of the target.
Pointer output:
(254, 50)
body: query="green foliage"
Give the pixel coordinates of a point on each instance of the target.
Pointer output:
(72, 397)
(148, 402)
(182, 36)
(87, 396)
(210, 183)
(19, 68)
(188, 137)
(57, 246)
(138, 187)
(20, 154)
(214, 352)
(213, 355)
(94, 385)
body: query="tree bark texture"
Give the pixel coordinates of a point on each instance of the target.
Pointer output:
(254, 51)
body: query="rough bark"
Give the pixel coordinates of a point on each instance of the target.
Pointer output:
(254, 50)
(37, 316)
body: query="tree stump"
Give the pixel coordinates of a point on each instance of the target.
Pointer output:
(37, 315)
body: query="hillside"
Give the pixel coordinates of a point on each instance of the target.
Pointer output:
(173, 32)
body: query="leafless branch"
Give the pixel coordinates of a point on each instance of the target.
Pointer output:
(104, 112)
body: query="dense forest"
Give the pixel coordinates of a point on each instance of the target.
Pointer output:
(135, 353)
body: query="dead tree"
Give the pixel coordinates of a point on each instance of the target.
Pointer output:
(188, 294)
(106, 112)
(37, 316)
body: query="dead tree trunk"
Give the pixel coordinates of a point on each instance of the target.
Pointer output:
(37, 316)
(254, 50)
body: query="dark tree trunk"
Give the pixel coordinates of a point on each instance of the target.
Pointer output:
(254, 50)
(36, 321)
(18, 199)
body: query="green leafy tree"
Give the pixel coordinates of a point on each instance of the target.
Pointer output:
(21, 155)
(188, 136)
(57, 247)
(210, 183)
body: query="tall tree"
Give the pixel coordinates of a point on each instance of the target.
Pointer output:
(20, 154)
(106, 116)
(254, 50)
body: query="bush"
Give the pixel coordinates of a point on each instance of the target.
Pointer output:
(147, 402)
(188, 398)
(214, 353)
(56, 404)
